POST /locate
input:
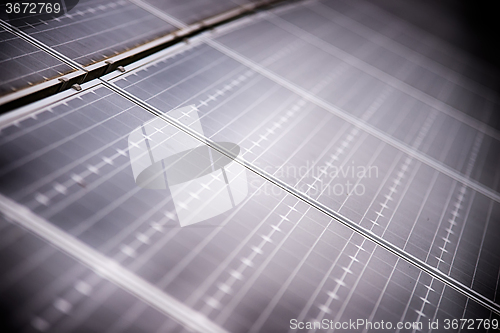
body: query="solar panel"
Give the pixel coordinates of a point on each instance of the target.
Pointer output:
(305, 168)
(270, 245)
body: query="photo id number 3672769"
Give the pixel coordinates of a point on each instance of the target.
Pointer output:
(32, 7)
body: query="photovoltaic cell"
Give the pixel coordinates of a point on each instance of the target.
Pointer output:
(46, 301)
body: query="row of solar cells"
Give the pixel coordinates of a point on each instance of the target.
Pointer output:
(91, 31)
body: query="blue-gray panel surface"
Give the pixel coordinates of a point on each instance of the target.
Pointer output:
(23, 65)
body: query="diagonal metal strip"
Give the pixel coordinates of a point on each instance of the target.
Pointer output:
(451, 282)
(107, 268)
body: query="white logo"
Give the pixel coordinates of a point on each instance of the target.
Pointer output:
(203, 182)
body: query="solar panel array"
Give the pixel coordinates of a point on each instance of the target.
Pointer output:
(370, 154)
